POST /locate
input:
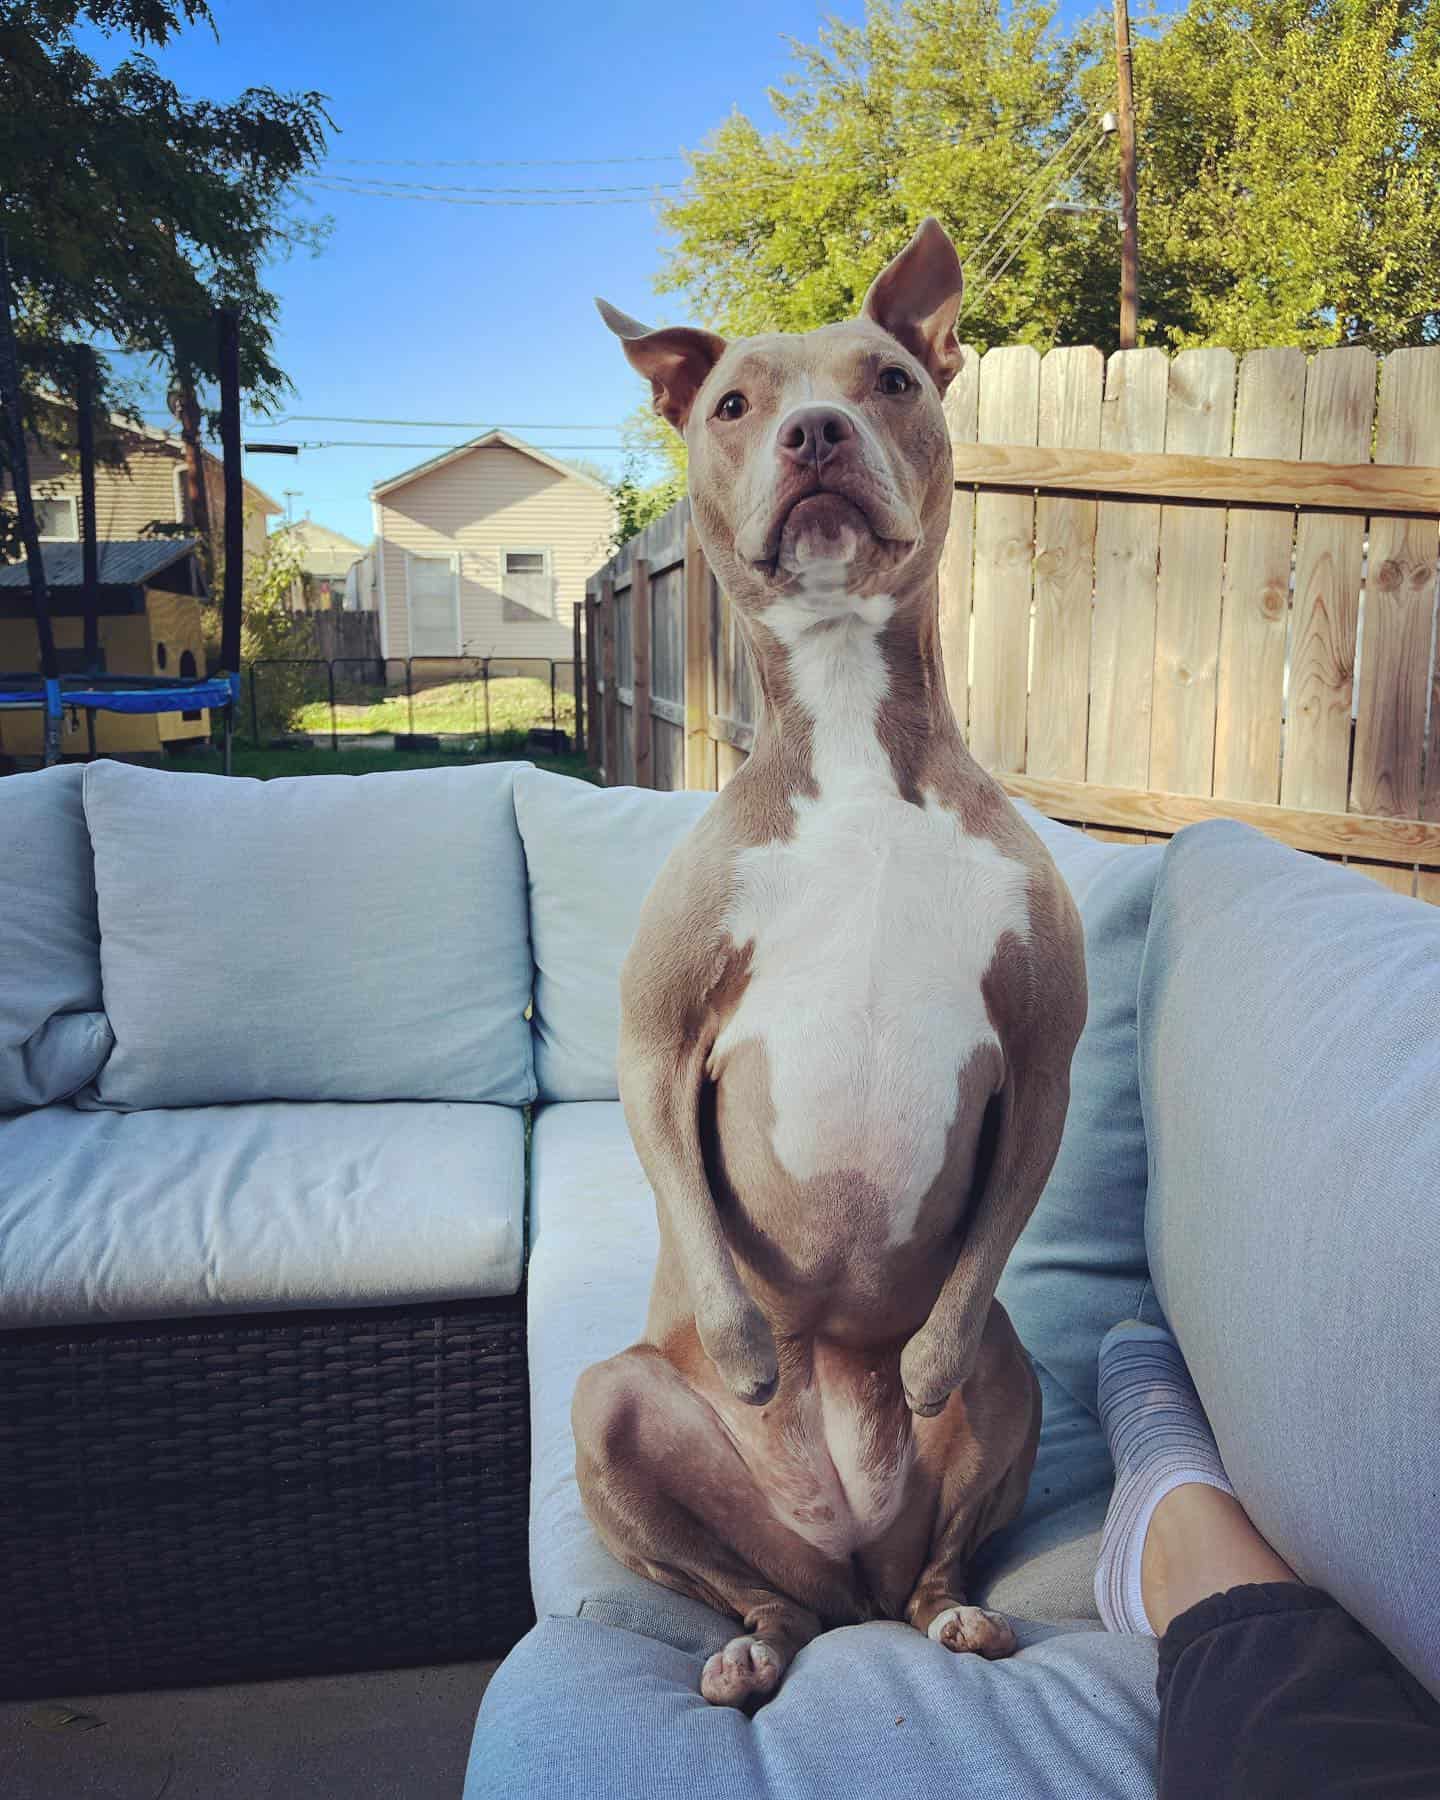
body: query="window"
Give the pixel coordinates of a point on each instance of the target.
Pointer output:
(525, 585)
(58, 518)
(433, 592)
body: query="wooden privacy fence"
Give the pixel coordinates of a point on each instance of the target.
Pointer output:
(1174, 589)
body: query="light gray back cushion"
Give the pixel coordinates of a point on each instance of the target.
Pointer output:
(1290, 1069)
(592, 854)
(53, 1033)
(329, 937)
(1080, 1265)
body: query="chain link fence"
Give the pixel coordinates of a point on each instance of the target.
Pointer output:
(484, 703)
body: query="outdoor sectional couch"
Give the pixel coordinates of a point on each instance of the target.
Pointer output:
(269, 1276)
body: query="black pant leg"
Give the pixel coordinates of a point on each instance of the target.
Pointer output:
(1273, 1692)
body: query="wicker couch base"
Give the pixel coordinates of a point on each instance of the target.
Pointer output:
(280, 1494)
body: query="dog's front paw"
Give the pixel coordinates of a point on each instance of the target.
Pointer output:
(746, 1672)
(974, 1631)
(741, 1345)
(927, 1377)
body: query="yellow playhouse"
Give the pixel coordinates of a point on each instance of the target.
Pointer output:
(149, 627)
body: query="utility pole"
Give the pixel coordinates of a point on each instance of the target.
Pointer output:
(1129, 220)
(89, 531)
(232, 602)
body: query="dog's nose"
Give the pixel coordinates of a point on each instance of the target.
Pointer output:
(813, 434)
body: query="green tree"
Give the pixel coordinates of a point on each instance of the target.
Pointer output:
(1289, 174)
(951, 107)
(1290, 185)
(131, 211)
(271, 632)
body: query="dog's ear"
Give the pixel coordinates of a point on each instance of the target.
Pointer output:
(916, 298)
(675, 360)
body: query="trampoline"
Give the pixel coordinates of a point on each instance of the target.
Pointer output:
(116, 693)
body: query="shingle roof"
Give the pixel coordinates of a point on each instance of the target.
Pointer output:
(122, 564)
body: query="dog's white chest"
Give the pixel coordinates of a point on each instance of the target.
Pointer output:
(872, 928)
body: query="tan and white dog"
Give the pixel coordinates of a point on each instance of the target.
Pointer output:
(847, 1024)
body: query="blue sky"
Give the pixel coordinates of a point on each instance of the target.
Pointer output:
(419, 310)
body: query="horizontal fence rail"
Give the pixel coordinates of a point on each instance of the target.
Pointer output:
(1174, 589)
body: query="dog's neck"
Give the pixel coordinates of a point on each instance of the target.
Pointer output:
(852, 688)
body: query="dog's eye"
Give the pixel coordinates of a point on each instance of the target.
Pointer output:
(894, 381)
(733, 406)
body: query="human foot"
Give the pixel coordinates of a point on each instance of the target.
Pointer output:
(1160, 1441)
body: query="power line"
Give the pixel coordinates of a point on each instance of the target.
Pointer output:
(419, 424)
(360, 185)
(1024, 238)
(1027, 192)
(404, 444)
(481, 162)
(377, 193)
(625, 194)
(574, 162)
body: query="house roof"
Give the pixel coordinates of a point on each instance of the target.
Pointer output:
(172, 441)
(486, 441)
(122, 563)
(322, 551)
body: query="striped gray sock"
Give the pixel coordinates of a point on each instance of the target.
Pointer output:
(1160, 1439)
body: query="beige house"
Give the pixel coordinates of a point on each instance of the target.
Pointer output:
(326, 560)
(484, 551)
(146, 490)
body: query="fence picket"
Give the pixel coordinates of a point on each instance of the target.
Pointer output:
(1394, 655)
(612, 761)
(699, 667)
(640, 721)
(1329, 555)
(957, 560)
(1255, 603)
(1127, 550)
(1198, 420)
(1004, 549)
(594, 726)
(1071, 389)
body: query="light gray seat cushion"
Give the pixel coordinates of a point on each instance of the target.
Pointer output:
(592, 855)
(583, 1711)
(53, 1032)
(172, 1214)
(317, 938)
(1290, 1065)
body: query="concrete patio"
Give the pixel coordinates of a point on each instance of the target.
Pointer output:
(394, 1735)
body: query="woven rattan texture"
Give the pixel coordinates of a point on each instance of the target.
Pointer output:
(184, 1503)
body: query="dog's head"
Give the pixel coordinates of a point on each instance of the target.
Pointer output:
(820, 464)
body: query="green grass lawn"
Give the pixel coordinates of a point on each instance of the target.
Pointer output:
(269, 763)
(517, 702)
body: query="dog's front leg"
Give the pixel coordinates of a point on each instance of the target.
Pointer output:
(941, 1355)
(660, 1089)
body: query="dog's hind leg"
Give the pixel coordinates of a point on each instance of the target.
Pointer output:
(985, 1441)
(668, 1490)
